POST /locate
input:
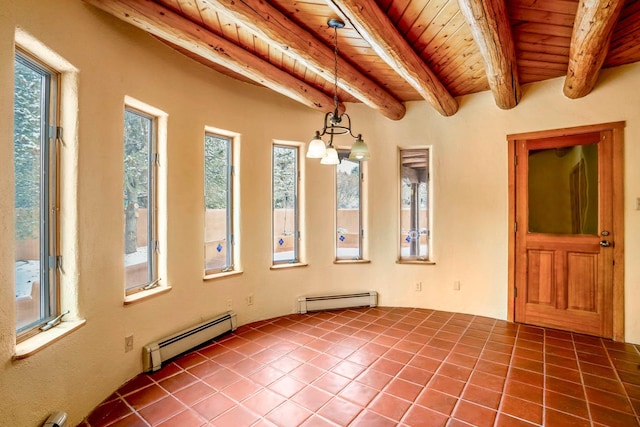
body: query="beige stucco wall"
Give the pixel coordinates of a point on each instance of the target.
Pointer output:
(115, 60)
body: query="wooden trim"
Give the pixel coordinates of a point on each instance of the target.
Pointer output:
(566, 131)
(511, 230)
(617, 129)
(618, 226)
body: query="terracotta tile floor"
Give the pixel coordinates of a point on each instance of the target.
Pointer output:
(386, 367)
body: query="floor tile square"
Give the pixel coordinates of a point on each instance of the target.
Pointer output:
(437, 401)
(389, 406)
(358, 393)
(522, 409)
(482, 396)
(264, 401)
(161, 410)
(194, 393)
(312, 398)
(340, 411)
(368, 418)
(213, 406)
(419, 416)
(474, 414)
(289, 414)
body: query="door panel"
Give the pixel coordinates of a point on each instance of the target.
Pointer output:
(582, 282)
(540, 277)
(563, 276)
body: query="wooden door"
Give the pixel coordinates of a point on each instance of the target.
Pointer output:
(565, 231)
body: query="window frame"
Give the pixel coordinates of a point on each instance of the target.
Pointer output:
(49, 203)
(417, 259)
(343, 154)
(296, 260)
(153, 277)
(231, 256)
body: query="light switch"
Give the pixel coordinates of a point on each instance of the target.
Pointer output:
(638, 204)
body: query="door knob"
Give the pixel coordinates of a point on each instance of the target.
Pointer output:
(605, 243)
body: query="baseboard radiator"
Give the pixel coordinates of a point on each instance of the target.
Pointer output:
(155, 353)
(337, 301)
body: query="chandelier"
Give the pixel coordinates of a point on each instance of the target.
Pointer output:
(334, 122)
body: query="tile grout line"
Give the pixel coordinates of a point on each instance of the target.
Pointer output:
(504, 386)
(584, 387)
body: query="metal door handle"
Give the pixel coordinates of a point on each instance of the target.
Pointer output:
(605, 243)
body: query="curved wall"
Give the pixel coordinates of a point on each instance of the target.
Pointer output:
(115, 60)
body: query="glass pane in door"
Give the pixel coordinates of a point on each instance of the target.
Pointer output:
(563, 190)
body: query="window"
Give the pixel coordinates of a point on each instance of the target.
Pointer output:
(35, 164)
(140, 164)
(285, 214)
(349, 229)
(218, 197)
(414, 205)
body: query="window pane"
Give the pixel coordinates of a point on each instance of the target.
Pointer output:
(138, 200)
(348, 215)
(32, 223)
(285, 211)
(563, 190)
(414, 214)
(217, 187)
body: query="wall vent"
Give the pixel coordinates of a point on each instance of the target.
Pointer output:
(160, 351)
(337, 301)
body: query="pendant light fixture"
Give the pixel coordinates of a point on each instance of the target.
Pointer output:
(334, 122)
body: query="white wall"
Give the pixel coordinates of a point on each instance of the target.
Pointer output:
(114, 60)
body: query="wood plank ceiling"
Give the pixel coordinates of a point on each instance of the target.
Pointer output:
(393, 51)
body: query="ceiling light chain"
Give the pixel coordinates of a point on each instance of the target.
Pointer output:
(318, 149)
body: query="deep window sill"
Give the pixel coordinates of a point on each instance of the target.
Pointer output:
(32, 345)
(415, 261)
(288, 265)
(214, 276)
(144, 295)
(352, 261)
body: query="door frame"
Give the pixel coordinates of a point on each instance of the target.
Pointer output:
(617, 131)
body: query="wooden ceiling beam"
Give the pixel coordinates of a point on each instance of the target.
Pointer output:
(489, 23)
(375, 27)
(590, 40)
(173, 28)
(271, 25)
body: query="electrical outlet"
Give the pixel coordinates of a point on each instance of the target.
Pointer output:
(128, 343)
(418, 286)
(229, 304)
(456, 285)
(250, 299)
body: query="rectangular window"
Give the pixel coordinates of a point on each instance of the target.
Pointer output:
(285, 214)
(140, 165)
(348, 208)
(414, 204)
(218, 197)
(35, 164)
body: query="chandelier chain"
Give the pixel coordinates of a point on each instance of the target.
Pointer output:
(335, 68)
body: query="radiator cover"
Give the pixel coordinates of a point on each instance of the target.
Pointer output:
(160, 351)
(337, 301)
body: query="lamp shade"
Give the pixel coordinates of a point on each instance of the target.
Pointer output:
(359, 150)
(317, 149)
(331, 158)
